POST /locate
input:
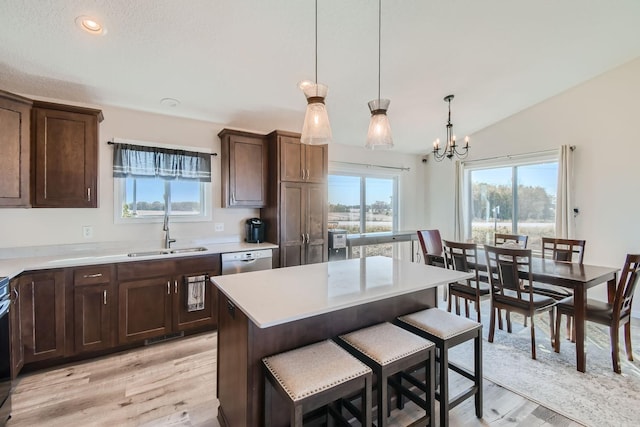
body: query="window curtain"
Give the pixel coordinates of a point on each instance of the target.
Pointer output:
(564, 201)
(138, 161)
(459, 211)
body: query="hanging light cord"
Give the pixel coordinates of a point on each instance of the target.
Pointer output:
(379, 39)
(316, 42)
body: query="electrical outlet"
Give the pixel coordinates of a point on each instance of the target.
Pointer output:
(218, 226)
(87, 231)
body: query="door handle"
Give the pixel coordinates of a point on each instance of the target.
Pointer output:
(308, 175)
(15, 291)
(302, 238)
(104, 297)
(307, 238)
(88, 194)
(92, 276)
(175, 286)
(168, 287)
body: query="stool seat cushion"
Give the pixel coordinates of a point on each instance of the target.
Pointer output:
(386, 343)
(440, 323)
(308, 370)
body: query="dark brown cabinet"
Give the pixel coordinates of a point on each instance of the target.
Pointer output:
(304, 230)
(17, 349)
(64, 156)
(153, 297)
(95, 305)
(243, 169)
(297, 211)
(300, 162)
(15, 143)
(42, 315)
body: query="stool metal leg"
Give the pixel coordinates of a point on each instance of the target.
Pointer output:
(477, 347)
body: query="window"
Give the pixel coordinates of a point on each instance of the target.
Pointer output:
(152, 181)
(515, 198)
(364, 203)
(141, 198)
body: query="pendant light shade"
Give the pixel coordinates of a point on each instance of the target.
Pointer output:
(316, 129)
(379, 135)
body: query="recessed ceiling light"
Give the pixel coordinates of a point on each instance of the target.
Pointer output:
(90, 25)
(169, 102)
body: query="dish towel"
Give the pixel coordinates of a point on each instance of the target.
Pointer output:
(195, 293)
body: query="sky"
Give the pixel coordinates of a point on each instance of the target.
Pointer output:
(345, 190)
(544, 175)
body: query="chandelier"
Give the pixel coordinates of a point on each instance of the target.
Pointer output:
(450, 149)
(316, 128)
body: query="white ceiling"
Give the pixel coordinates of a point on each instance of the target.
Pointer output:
(238, 62)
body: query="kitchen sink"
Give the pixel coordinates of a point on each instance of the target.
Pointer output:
(167, 251)
(187, 250)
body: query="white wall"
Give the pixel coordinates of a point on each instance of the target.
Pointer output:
(602, 119)
(46, 226)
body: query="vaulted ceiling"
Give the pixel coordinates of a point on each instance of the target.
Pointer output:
(238, 62)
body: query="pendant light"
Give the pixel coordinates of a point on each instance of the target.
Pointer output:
(316, 129)
(379, 135)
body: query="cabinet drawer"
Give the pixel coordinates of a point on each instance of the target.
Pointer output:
(208, 263)
(92, 275)
(142, 269)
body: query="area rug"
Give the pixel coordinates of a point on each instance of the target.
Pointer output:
(598, 397)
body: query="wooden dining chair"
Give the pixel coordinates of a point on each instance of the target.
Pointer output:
(561, 250)
(499, 239)
(507, 269)
(614, 314)
(431, 245)
(464, 257)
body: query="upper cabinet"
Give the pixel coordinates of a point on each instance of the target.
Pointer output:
(301, 162)
(244, 169)
(14, 148)
(64, 156)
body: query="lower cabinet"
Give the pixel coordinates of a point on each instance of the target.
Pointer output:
(151, 307)
(77, 312)
(42, 315)
(94, 308)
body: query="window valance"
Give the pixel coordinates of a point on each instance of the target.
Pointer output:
(145, 162)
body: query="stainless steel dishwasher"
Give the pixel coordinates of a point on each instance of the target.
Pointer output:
(242, 262)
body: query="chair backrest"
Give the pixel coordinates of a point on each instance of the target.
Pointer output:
(500, 239)
(507, 269)
(626, 286)
(565, 250)
(460, 256)
(431, 244)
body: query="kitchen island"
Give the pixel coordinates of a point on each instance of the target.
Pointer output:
(268, 312)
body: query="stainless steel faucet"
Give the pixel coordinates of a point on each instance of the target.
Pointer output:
(167, 238)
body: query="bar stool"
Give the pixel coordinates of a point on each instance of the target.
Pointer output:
(314, 376)
(447, 330)
(390, 350)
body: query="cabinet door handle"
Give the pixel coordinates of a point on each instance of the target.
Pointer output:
(233, 197)
(307, 238)
(92, 276)
(168, 287)
(88, 194)
(104, 297)
(302, 238)
(175, 286)
(15, 291)
(308, 175)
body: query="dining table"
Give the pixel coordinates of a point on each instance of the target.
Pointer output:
(577, 277)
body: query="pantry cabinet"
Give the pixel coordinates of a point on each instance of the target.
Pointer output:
(64, 156)
(297, 209)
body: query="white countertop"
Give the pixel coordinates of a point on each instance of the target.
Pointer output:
(273, 297)
(82, 255)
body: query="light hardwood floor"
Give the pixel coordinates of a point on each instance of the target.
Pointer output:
(173, 384)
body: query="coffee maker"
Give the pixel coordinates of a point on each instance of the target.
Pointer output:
(255, 230)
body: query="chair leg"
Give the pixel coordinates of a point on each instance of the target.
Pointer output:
(533, 338)
(492, 323)
(615, 350)
(569, 327)
(500, 320)
(444, 387)
(477, 303)
(552, 328)
(556, 346)
(449, 300)
(458, 305)
(466, 307)
(509, 321)
(627, 340)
